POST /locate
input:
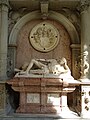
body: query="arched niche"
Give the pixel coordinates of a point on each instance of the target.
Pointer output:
(37, 15)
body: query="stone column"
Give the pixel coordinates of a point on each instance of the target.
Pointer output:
(85, 40)
(85, 58)
(3, 38)
(3, 52)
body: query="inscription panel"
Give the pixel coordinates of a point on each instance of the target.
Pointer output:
(33, 98)
(54, 99)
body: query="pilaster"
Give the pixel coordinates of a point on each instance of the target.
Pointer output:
(76, 48)
(85, 58)
(3, 38)
(85, 38)
(3, 53)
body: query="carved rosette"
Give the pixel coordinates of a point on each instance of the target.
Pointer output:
(44, 37)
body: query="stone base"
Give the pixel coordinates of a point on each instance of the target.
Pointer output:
(42, 95)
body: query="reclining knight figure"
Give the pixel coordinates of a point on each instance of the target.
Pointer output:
(49, 66)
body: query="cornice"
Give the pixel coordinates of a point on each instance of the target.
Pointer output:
(4, 2)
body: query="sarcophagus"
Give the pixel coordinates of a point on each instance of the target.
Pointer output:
(42, 95)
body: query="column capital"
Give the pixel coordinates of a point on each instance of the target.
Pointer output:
(75, 46)
(84, 4)
(4, 2)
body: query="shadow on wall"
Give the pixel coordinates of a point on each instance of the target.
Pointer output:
(12, 100)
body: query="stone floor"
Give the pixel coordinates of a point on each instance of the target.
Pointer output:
(67, 114)
(64, 116)
(38, 117)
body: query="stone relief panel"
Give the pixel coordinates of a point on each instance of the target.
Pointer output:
(33, 98)
(44, 37)
(25, 52)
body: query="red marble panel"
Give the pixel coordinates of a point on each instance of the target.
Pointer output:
(25, 52)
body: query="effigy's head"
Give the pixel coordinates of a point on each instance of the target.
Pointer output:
(63, 61)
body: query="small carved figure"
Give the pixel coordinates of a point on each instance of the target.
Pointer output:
(84, 65)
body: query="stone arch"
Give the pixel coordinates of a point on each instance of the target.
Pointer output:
(37, 15)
